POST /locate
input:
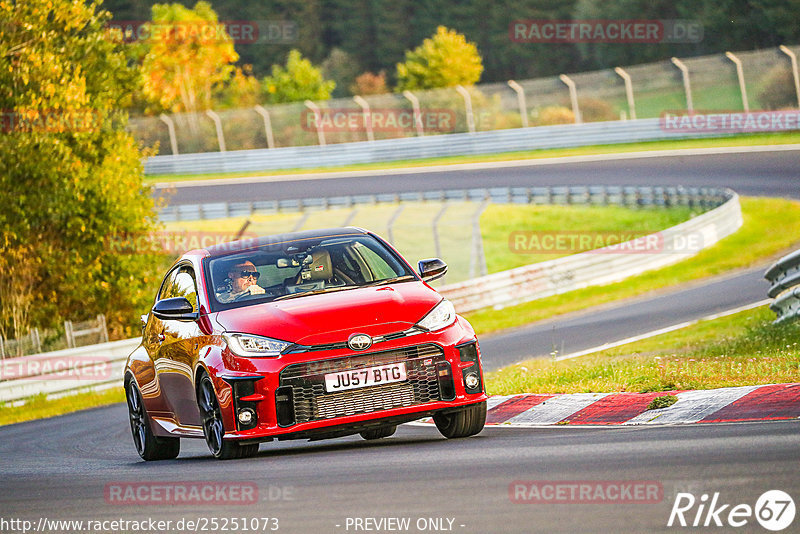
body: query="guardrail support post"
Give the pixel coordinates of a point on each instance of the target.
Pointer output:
(573, 96)
(173, 140)
(218, 126)
(477, 261)
(628, 91)
(417, 113)
(436, 243)
(317, 119)
(793, 58)
(267, 125)
(740, 75)
(68, 334)
(367, 114)
(523, 108)
(390, 224)
(467, 107)
(687, 87)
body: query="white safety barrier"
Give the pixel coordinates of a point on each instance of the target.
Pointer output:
(596, 267)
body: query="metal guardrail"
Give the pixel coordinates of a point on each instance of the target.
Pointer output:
(62, 372)
(490, 142)
(784, 275)
(596, 267)
(101, 366)
(703, 197)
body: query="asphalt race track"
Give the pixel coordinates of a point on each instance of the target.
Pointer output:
(70, 467)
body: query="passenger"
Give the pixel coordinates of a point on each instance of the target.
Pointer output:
(241, 281)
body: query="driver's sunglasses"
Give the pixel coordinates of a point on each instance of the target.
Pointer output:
(254, 274)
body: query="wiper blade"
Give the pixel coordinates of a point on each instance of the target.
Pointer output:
(313, 292)
(391, 280)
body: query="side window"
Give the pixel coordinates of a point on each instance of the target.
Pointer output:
(184, 286)
(180, 283)
(166, 285)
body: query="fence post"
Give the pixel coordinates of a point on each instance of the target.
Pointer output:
(573, 96)
(628, 91)
(793, 59)
(467, 107)
(367, 114)
(436, 244)
(740, 75)
(523, 109)
(218, 126)
(68, 334)
(317, 119)
(2, 348)
(477, 261)
(687, 86)
(173, 140)
(101, 324)
(267, 125)
(390, 224)
(417, 114)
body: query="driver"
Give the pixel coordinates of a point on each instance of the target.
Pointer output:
(243, 278)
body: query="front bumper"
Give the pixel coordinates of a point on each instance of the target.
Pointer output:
(289, 400)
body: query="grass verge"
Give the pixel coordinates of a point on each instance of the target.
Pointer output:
(739, 350)
(755, 241)
(39, 407)
(738, 140)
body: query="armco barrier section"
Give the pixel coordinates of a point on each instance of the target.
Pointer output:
(65, 371)
(409, 148)
(597, 267)
(784, 275)
(101, 366)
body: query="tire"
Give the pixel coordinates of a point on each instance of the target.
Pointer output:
(378, 433)
(463, 423)
(148, 445)
(213, 427)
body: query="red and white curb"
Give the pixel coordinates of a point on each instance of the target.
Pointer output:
(749, 403)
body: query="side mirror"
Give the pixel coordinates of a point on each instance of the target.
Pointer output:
(431, 269)
(175, 309)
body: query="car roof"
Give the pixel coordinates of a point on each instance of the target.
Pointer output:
(245, 244)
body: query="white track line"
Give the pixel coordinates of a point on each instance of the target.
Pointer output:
(663, 330)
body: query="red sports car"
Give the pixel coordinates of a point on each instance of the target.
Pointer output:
(307, 335)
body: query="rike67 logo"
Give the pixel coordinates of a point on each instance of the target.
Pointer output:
(774, 510)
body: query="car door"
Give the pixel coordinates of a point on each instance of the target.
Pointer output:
(177, 352)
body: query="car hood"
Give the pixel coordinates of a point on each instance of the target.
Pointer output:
(332, 317)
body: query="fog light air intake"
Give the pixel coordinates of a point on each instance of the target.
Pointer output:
(470, 367)
(245, 400)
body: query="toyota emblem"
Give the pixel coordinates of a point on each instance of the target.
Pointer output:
(359, 342)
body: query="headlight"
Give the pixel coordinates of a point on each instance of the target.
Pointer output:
(443, 314)
(254, 346)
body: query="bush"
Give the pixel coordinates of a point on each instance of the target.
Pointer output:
(594, 110)
(779, 91)
(554, 115)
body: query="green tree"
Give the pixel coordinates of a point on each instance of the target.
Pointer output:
(189, 57)
(444, 60)
(298, 81)
(70, 176)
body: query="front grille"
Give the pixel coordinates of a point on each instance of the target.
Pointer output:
(311, 402)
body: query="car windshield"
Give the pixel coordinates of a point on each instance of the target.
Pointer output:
(298, 268)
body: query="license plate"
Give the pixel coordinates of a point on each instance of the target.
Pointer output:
(369, 376)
